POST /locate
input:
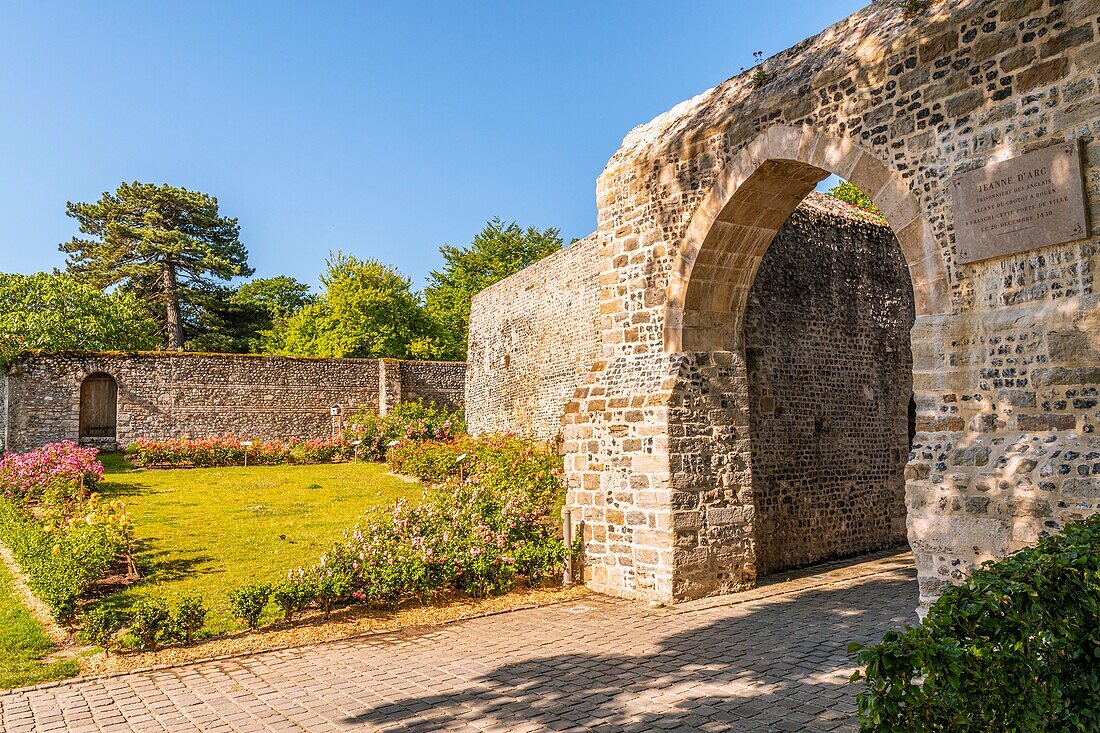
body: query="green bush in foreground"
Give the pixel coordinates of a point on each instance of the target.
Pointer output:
(1017, 648)
(248, 602)
(100, 625)
(189, 617)
(148, 620)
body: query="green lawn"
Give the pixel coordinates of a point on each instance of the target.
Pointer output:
(204, 531)
(23, 643)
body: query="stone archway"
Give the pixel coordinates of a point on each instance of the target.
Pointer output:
(738, 218)
(1006, 348)
(714, 513)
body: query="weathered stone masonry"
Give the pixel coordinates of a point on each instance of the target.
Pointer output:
(1006, 351)
(167, 395)
(532, 337)
(830, 377)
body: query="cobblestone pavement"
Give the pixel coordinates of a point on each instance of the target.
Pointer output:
(774, 659)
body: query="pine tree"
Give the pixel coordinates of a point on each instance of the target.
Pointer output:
(165, 244)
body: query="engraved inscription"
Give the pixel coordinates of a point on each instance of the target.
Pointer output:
(1034, 200)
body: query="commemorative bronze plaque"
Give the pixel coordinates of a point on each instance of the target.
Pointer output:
(1030, 201)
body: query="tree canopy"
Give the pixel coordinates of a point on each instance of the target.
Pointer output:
(165, 244)
(498, 250)
(279, 296)
(367, 310)
(45, 312)
(852, 194)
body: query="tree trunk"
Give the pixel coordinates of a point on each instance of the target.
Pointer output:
(172, 307)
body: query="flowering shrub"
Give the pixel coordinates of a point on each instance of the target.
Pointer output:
(248, 602)
(60, 531)
(431, 461)
(414, 421)
(63, 559)
(26, 477)
(227, 450)
(467, 538)
(488, 526)
(497, 462)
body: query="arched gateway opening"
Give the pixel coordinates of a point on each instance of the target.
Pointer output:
(830, 374)
(739, 504)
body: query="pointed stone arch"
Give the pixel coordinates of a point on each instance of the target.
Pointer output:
(732, 227)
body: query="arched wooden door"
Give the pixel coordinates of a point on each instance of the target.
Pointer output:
(98, 406)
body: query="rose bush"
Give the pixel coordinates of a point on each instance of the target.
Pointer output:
(60, 531)
(413, 421)
(499, 462)
(25, 477)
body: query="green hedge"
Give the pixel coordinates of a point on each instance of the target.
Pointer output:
(1017, 648)
(61, 562)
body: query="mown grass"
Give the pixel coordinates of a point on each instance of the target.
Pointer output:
(24, 645)
(205, 531)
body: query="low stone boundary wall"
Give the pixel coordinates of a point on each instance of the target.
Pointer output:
(162, 395)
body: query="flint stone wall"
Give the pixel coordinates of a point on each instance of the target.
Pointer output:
(830, 377)
(829, 368)
(532, 337)
(169, 395)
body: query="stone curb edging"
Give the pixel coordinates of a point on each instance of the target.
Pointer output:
(834, 576)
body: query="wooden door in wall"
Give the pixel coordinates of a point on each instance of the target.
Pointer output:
(98, 406)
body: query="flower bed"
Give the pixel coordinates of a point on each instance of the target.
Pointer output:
(368, 438)
(229, 450)
(485, 528)
(63, 536)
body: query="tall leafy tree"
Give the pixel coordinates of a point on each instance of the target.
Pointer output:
(279, 296)
(46, 312)
(854, 195)
(498, 250)
(367, 310)
(232, 320)
(165, 244)
(223, 323)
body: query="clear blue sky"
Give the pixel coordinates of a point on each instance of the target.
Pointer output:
(383, 129)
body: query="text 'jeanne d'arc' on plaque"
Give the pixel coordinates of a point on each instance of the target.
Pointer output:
(1033, 200)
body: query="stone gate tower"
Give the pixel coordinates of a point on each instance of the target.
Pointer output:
(973, 126)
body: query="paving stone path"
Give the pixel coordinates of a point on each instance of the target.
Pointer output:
(771, 660)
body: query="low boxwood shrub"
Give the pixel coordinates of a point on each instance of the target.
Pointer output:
(189, 616)
(248, 602)
(1015, 648)
(149, 618)
(293, 595)
(100, 625)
